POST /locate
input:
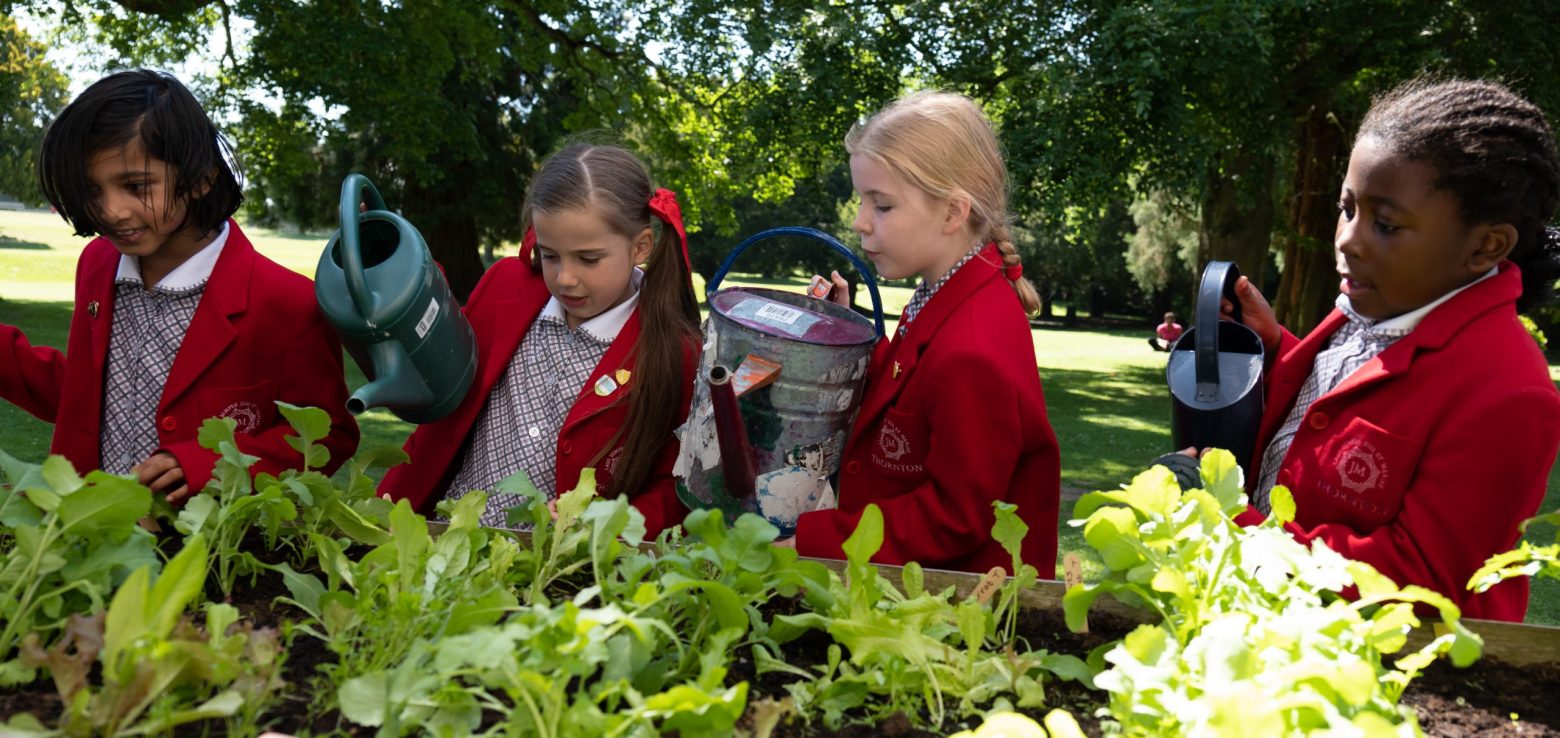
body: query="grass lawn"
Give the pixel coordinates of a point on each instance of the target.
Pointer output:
(1104, 388)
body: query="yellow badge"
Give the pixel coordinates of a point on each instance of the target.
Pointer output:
(622, 377)
(605, 386)
(896, 370)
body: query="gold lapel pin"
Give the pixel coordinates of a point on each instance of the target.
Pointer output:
(622, 376)
(896, 370)
(92, 308)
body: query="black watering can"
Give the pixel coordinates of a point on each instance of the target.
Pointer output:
(380, 288)
(1215, 374)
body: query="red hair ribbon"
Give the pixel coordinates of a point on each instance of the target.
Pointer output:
(664, 204)
(1014, 272)
(527, 244)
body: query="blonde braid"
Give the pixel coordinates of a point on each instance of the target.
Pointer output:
(1027, 295)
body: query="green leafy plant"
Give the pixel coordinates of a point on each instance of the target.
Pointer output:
(158, 670)
(230, 507)
(369, 612)
(67, 543)
(913, 651)
(1526, 560)
(1254, 637)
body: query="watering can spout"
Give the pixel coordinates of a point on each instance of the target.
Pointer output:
(736, 454)
(397, 385)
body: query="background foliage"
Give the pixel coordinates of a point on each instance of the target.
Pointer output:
(1187, 130)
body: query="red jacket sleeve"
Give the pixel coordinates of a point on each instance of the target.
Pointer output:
(30, 376)
(310, 376)
(969, 465)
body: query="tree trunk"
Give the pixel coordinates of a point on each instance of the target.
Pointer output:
(1047, 303)
(1238, 214)
(1309, 283)
(451, 233)
(1096, 302)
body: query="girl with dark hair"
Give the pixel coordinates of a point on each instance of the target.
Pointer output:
(177, 319)
(1416, 426)
(584, 359)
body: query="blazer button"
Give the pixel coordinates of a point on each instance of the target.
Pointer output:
(1318, 421)
(170, 423)
(853, 467)
(565, 447)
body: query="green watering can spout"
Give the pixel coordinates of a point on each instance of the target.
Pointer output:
(378, 286)
(398, 384)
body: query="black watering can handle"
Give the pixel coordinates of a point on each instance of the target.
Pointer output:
(816, 235)
(1218, 281)
(353, 190)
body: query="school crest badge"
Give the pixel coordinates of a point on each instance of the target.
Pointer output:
(1361, 468)
(245, 415)
(892, 441)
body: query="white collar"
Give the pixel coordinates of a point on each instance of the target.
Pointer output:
(193, 272)
(606, 326)
(1407, 322)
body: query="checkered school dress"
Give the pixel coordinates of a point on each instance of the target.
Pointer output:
(148, 328)
(518, 428)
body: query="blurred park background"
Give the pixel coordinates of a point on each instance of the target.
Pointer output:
(1143, 139)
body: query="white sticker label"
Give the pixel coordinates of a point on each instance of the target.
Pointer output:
(427, 318)
(779, 313)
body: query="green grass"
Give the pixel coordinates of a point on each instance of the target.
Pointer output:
(1104, 389)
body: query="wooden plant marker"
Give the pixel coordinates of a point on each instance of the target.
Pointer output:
(1072, 573)
(989, 584)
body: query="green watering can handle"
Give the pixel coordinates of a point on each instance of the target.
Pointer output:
(353, 189)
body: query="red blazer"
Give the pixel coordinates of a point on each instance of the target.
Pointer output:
(256, 337)
(1424, 462)
(953, 419)
(505, 302)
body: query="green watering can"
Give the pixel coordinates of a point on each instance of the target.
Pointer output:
(381, 290)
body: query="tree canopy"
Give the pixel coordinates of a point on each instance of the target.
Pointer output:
(1234, 116)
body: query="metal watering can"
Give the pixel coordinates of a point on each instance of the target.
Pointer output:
(1215, 374)
(379, 287)
(781, 378)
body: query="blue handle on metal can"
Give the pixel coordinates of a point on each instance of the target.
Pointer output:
(816, 235)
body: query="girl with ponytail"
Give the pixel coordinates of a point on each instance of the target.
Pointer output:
(953, 419)
(585, 359)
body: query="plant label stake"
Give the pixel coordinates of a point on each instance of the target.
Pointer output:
(989, 584)
(1072, 574)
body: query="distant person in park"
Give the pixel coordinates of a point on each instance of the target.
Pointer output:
(1416, 426)
(177, 318)
(1165, 335)
(953, 418)
(584, 358)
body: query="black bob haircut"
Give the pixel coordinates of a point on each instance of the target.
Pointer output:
(171, 126)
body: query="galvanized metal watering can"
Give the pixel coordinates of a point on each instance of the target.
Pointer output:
(780, 382)
(379, 287)
(1215, 374)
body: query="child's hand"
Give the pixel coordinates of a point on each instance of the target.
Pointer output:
(838, 289)
(552, 507)
(1256, 314)
(162, 475)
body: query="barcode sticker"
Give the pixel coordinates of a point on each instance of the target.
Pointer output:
(779, 313)
(428, 315)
